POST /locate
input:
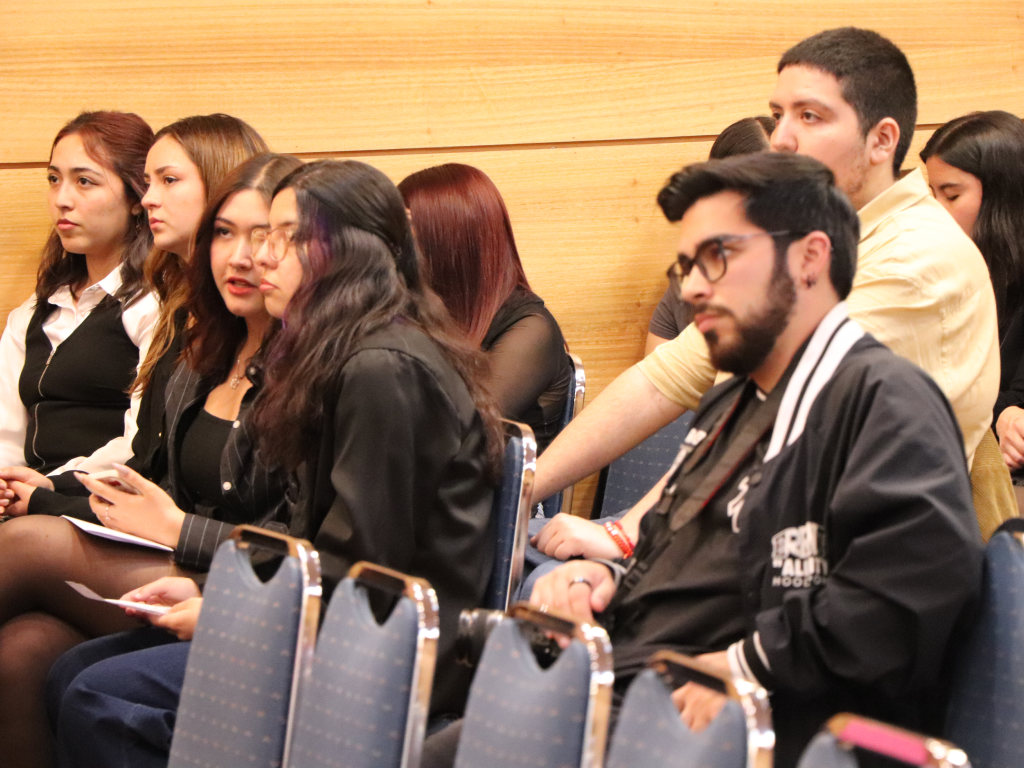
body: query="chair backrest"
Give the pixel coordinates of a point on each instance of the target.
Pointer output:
(625, 481)
(519, 714)
(251, 646)
(365, 700)
(987, 695)
(832, 748)
(552, 505)
(649, 731)
(511, 513)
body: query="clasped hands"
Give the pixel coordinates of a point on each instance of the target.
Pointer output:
(580, 588)
(16, 487)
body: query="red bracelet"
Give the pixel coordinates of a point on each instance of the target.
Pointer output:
(618, 534)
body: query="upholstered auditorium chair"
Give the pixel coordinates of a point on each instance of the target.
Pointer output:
(511, 513)
(986, 713)
(834, 746)
(365, 702)
(251, 646)
(519, 714)
(560, 502)
(649, 731)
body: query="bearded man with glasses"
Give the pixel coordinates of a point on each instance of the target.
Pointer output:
(816, 534)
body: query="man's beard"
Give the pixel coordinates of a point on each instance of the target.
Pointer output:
(756, 336)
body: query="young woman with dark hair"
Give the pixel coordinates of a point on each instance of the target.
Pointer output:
(672, 315)
(374, 400)
(187, 159)
(975, 169)
(214, 478)
(464, 233)
(70, 352)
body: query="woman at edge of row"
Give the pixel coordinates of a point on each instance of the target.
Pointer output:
(975, 169)
(371, 396)
(42, 616)
(187, 159)
(57, 407)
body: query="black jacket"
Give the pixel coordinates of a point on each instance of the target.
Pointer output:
(398, 477)
(859, 551)
(253, 493)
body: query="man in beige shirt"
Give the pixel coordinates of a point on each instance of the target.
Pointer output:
(847, 98)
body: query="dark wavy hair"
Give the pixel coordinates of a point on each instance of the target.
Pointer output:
(360, 271)
(214, 335)
(751, 134)
(787, 192)
(119, 142)
(465, 236)
(875, 76)
(216, 144)
(990, 146)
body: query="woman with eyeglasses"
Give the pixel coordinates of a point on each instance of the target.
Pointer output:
(373, 400)
(464, 233)
(214, 479)
(975, 169)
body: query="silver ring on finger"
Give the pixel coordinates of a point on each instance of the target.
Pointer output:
(581, 580)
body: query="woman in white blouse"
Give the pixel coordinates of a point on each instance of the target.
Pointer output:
(70, 352)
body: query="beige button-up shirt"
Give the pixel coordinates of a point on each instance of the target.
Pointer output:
(921, 288)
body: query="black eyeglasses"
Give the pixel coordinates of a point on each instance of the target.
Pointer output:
(713, 255)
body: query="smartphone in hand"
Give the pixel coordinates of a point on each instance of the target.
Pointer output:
(114, 480)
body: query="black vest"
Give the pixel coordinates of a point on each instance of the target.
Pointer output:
(76, 395)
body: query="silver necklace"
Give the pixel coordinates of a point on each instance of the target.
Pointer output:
(236, 378)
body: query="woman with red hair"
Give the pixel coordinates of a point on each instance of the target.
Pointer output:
(463, 230)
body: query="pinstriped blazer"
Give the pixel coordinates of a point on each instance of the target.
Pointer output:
(253, 493)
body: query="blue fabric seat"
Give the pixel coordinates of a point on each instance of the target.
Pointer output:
(248, 652)
(519, 714)
(986, 712)
(365, 702)
(511, 514)
(649, 732)
(627, 479)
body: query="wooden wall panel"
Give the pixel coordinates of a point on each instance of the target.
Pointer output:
(399, 74)
(579, 109)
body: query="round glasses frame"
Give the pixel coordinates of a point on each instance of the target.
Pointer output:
(712, 257)
(277, 241)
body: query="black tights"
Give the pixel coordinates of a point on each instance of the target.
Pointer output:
(41, 617)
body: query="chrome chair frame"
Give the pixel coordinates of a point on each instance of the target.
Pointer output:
(752, 697)
(578, 394)
(522, 533)
(602, 676)
(855, 731)
(246, 537)
(572, 408)
(424, 598)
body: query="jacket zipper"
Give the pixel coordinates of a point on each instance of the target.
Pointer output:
(39, 389)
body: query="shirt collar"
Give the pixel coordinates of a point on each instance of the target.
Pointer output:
(92, 295)
(906, 192)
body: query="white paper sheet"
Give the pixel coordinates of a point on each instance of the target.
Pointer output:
(84, 591)
(109, 533)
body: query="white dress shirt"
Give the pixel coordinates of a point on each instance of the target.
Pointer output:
(139, 320)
